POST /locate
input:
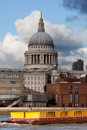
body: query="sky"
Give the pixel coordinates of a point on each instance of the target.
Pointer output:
(65, 21)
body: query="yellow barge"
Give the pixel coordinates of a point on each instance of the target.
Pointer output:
(41, 118)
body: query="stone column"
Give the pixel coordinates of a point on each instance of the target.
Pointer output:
(25, 59)
(36, 59)
(29, 57)
(53, 59)
(46, 59)
(33, 59)
(49, 59)
(41, 59)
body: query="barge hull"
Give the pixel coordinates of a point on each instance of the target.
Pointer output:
(51, 121)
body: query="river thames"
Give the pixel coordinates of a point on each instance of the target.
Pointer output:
(10, 126)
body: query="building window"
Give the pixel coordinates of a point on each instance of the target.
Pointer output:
(63, 105)
(70, 104)
(49, 89)
(70, 89)
(38, 83)
(38, 78)
(82, 105)
(56, 88)
(13, 89)
(57, 98)
(35, 83)
(76, 89)
(13, 82)
(52, 89)
(76, 98)
(76, 104)
(31, 83)
(70, 98)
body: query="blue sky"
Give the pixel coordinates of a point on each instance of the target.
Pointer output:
(11, 10)
(65, 20)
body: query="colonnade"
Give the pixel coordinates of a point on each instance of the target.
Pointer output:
(41, 59)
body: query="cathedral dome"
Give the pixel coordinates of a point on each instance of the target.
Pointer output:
(41, 55)
(41, 37)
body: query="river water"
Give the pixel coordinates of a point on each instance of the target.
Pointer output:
(10, 126)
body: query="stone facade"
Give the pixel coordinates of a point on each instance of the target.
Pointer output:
(39, 59)
(11, 85)
(35, 81)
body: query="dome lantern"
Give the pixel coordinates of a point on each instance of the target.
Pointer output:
(41, 37)
(41, 24)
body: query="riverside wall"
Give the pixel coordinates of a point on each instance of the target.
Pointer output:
(39, 109)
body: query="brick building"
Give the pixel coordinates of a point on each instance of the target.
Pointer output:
(67, 92)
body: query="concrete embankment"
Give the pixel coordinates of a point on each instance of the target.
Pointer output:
(7, 110)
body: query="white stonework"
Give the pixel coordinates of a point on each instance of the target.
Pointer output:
(41, 53)
(35, 81)
(40, 56)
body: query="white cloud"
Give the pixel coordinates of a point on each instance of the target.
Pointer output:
(12, 48)
(64, 38)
